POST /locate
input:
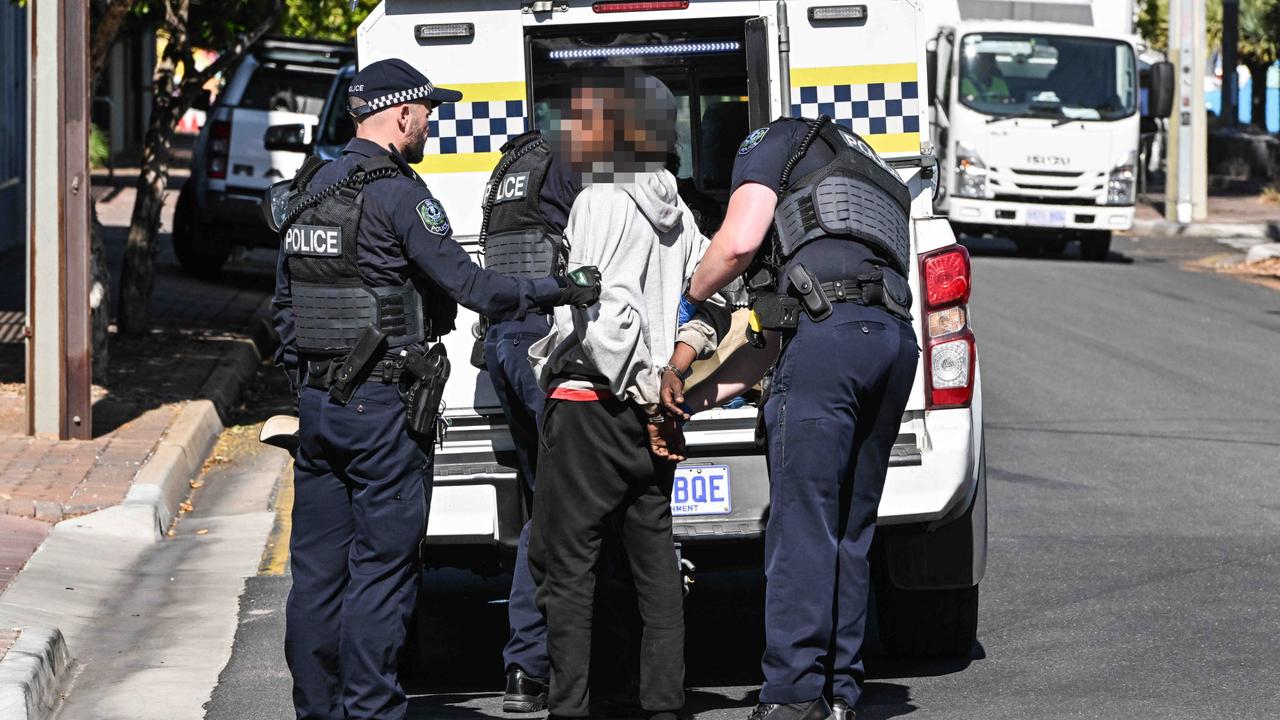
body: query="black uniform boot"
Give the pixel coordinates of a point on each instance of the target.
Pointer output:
(840, 710)
(814, 710)
(524, 694)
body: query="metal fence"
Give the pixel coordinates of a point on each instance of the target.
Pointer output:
(13, 124)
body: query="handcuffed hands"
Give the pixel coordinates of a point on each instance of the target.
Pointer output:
(671, 395)
(666, 440)
(580, 288)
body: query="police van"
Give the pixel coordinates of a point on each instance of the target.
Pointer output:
(733, 65)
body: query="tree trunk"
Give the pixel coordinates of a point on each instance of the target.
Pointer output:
(1259, 72)
(106, 27)
(99, 297)
(138, 272)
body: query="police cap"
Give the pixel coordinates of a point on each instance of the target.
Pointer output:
(391, 82)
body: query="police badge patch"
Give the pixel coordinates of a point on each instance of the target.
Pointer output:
(433, 217)
(753, 140)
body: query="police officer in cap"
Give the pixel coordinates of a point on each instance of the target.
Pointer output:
(826, 222)
(526, 206)
(370, 272)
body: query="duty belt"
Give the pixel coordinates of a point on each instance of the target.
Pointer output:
(322, 373)
(855, 291)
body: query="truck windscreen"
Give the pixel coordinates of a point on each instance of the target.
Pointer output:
(1053, 76)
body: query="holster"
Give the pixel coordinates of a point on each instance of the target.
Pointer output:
(370, 347)
(423, 389)
(477, 348)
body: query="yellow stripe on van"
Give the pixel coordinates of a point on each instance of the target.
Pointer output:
(855, 74)
(895, 144)
(458, 163)
(489, 91)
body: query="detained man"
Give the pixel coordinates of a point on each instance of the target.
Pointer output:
(608, 453)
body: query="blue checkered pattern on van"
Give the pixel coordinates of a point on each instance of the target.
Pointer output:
(474, 127)
(871, 109)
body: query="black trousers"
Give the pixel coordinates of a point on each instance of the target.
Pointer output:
(595, 462)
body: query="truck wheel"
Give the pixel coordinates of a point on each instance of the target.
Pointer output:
(1096, 247)
(188, 232)
(926, 623)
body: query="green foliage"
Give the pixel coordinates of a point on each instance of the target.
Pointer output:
(323, 19)
(99, 147)
(1259, 27)
(1153, 23)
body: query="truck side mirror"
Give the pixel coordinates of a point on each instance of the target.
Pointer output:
(1160, 94)
(287, 138)
(931, 72)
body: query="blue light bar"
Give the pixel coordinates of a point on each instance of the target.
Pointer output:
(702, 48)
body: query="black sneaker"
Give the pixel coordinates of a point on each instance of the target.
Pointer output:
(813, 710)
(840, 710)
(524, 694)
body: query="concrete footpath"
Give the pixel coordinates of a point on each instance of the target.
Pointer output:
(1255, 217)
(91, 510)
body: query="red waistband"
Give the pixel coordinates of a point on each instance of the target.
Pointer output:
(579, 394)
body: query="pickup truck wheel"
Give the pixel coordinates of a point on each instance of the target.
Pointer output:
(188, 233)
(1096, 247)
(927, 623)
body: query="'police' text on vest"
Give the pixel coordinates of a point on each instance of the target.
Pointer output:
(321, 240)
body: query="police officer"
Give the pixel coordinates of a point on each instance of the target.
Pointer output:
(369, 271)
(526, 206)
(834, 287)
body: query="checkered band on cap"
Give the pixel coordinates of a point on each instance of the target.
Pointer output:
(398, 97)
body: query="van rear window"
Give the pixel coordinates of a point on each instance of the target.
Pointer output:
(278, 89)
(705, 68)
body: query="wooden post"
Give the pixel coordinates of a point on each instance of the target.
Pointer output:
(58, 344)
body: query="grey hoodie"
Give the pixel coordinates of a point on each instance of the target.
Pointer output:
(643, 238)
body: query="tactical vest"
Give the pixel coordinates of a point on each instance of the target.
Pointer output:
(332, 301)
(855, 197)
(517, 238)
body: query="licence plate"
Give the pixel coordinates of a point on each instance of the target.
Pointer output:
(701, 490)
(1046, 218)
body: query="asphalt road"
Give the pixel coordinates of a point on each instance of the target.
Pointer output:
(1132, 416)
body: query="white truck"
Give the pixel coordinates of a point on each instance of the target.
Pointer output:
(733, 66)
(1035, 113)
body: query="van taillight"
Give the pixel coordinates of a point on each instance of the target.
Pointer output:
(219, 148)
(617, 7)
(951, 354)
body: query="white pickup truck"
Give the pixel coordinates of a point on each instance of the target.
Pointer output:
(733, 65)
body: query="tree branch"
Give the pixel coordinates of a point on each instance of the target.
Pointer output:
(233, 53)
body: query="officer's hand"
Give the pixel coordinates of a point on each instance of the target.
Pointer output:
(666, 440)
(672, 395)
(686, 310)
(581, 288)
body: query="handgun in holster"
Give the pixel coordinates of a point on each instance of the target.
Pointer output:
(370, 347)
(425, 390)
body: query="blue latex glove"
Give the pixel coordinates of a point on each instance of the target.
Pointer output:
(687, 309)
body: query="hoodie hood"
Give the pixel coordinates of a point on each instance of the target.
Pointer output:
(658, 198)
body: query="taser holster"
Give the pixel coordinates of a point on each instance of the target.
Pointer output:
(370, 347)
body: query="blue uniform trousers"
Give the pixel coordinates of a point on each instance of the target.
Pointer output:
(506, 356)
(362, 492)
(834, 410)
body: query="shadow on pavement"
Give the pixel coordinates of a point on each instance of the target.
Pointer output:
(986, 246)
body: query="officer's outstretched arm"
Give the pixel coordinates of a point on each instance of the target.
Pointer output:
(428, 243)
(745, 225)
(736, 375)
